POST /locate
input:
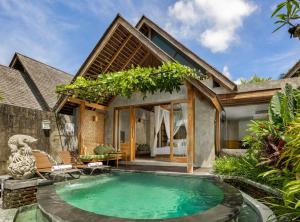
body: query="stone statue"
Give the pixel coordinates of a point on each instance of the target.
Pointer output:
(21, 162)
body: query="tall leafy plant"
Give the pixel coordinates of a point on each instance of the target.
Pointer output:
(284, 106)
(267, 138)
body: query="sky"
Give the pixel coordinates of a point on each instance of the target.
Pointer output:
(235, 36)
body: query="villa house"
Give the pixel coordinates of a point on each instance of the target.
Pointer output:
(189, 127)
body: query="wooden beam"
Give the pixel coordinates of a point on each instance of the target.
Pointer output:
(117, 53)
(80, 126)
(209, 94)
(243, 98)
(217, 133)
(92, 105)
(132, 133)
(191, 129)
(131, 56)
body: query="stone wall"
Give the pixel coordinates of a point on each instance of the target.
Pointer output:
(19, 120)
(19, 193)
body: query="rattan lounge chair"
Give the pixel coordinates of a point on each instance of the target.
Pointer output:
(66, 158)
(44, 166)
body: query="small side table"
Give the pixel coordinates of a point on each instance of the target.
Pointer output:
(118, 153)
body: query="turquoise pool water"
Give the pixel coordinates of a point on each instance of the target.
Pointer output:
(142, 195)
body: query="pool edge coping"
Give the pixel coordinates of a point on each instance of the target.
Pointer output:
(56, 209)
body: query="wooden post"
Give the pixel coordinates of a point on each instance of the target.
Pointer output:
(171, 132)
(191, 129)
(218, 133)
(132, 133)
(116, 129)
(80, 126)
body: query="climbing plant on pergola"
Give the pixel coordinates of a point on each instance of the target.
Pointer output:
(165, 78)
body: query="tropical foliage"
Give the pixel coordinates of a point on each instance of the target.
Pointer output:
(273, 154)
(287, 14)
(165, 78)
(255, 79)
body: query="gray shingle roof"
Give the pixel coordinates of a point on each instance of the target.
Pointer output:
(15, 90)
(45, 77)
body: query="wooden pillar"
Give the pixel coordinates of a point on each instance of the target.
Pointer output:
(80, 126)
(191, 129)
(218, 133)
(116, 142)
(171, 132)
(132, 133)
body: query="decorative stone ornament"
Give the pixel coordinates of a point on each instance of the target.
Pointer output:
(21, 162)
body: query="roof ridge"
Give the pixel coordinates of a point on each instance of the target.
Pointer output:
(292, 70)
(9, 68)
(43, 63)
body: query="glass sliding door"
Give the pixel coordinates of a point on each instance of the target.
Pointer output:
(179, 131)
(123, 132)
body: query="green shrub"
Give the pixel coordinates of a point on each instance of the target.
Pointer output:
(104, 149)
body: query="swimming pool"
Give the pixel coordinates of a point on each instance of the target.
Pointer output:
(127, 196)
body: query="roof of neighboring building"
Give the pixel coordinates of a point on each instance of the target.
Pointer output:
(44, 77)
(254, 93)
(15, 89)
(293, 71)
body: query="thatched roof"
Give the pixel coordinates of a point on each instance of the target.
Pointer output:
(44, 78)
(15, 89)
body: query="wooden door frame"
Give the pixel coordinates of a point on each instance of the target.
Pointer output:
(116, 124)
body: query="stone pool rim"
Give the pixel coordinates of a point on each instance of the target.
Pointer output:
(57, 210)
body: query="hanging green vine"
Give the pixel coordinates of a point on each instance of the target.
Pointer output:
(165, 78)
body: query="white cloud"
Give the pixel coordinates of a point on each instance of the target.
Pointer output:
(213, 23)
(226, 71)
(238, 81)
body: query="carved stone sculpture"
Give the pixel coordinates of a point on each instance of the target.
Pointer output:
(21, 162)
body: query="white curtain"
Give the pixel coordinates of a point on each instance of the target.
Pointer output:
(166, 115)
(177, 122)
(184, 107)
(158, 118)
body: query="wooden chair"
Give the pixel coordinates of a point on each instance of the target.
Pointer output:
(66, 158)
(44, 166)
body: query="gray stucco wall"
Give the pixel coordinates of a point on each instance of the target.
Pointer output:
(18, 120)
(204, 133)
(159, 97)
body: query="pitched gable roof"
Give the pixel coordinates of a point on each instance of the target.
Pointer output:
(120, 47)
(15, 89)
(218, 76)
(44, 78)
